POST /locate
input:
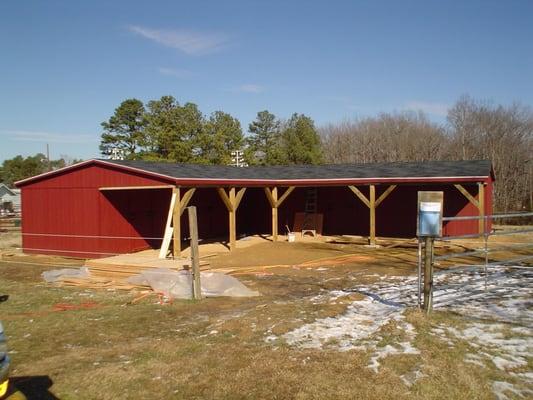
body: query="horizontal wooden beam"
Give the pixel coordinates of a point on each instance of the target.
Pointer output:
(385, 194)
(465, 193)
(360, 195)
(136, 187)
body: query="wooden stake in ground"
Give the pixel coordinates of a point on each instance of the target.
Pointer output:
(428, 274)
(195, 256)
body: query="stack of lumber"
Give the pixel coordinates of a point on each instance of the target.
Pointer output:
(98, 283)
(112, 272)
(125, 265)
(321, 262)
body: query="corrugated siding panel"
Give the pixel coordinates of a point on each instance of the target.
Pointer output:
(71, 204)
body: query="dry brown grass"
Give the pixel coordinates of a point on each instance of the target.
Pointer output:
(216, 348)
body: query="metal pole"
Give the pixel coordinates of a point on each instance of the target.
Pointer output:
(486, 238)
(419, 273)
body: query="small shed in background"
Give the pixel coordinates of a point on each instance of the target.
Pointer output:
(102, 207)
(9, 200)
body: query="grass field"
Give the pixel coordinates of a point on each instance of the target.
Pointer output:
(347, 331)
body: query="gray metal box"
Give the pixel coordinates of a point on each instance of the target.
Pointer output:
(430, 206)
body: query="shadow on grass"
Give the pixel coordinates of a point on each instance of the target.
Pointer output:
(34, 387)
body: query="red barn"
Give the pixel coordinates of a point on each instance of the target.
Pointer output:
(102, 207)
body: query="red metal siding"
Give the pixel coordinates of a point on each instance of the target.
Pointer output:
(60, 211)
(66, 205)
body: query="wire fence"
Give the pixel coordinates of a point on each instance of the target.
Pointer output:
(485, 251)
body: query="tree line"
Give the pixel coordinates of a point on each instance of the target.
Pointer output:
(165, 130)
(18, 168)
(473, 130)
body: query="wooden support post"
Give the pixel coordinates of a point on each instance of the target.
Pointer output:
(428, 275)
(275, 203)
(275, 214)
(481, 207)
(232, 221)
(176, 223)
(372, 202)
(479, 203)
(179, 207)
(232, 204)
(195, 256)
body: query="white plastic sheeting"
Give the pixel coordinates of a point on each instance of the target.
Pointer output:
(56, 275)
(178, 284)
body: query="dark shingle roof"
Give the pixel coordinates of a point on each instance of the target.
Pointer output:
(429, 169)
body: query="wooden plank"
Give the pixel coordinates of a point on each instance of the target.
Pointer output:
(176, 223)
(186, 199)
(225, 198)
(238, 198)
(167, 236)
(285, 195)
(136, 187)
(195, 257)
(481, 206)
(360, 195)
(385, 194)
(372, 206)
(465, 193)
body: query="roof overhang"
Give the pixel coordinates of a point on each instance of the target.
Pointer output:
(218, 182)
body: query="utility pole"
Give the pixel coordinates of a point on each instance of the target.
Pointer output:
(237, 159)
(49, 165)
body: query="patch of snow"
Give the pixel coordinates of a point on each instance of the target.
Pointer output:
(504, 295)
(410, 378)
(499, 388)
(382, 352)
(361, 320)
(505, 364)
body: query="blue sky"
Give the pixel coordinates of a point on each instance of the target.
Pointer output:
(66, 65)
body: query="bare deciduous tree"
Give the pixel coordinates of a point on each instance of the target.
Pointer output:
(504, 135)
(475, 130)
(386, 138)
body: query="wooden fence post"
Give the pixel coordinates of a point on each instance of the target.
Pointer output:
(428, 274)
(195, 257)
